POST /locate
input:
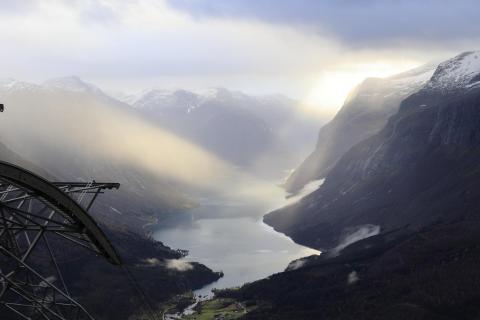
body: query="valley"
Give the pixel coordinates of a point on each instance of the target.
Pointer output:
(239, 160)
(396, 218)
(392, 182)
(229, 235)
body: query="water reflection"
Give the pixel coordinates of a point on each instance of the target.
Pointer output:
(244, 248)
(232, 238)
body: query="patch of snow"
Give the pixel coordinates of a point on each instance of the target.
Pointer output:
(115, 210)
(456, 73)
(411, 81)
(11, 85)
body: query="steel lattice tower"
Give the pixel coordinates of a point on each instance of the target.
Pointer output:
(36, 216)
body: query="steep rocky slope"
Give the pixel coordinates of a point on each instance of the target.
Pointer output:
(431, 274)
(398, 218)
(364, 113)
(422, 167)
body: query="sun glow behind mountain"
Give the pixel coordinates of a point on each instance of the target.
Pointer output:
(331, 87)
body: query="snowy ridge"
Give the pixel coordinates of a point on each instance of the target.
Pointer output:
(12, 85)
(409, 82)
(152, 93)
(219, 93)
(159, 98)
(397, 86)
(73, 84)
(460, 72)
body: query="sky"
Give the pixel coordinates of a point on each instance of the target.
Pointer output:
(311, 50)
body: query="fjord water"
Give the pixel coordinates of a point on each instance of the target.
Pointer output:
(228, 235)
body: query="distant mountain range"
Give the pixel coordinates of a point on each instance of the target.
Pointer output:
(60, 126)
(136, 249)
(57, 131)
(257, 133)
(66, 129)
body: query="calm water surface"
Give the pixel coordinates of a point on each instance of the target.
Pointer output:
(230, 236)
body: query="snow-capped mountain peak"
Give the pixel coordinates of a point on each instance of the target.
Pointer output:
(460, 72)
(408, 82)
(72, 83)
(159, 98)
(223, 94)
(11, 84)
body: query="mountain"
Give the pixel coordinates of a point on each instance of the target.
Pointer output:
(75, 84)
(64, 156)
(55, 129)
(259, 133)
(431, 274)
(363, 114)
(397, 218)
(422, 168)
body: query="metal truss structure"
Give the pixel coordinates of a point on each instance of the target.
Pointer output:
(37, 217)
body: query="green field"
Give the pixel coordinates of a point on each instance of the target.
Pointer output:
(217, 309)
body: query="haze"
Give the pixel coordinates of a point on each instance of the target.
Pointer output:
(297, 49)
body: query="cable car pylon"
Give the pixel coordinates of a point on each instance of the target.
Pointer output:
(35, 217)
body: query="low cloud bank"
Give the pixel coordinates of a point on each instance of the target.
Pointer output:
(355, 234)
(172, 264)
(352, 277)
(296, 264)
(178, 265)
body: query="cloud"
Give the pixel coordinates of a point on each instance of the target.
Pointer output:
(96, 11)
(260, 47)
(354, 234)
(352, 277)
(154, 262)
(129, 45)
(355, 23)
(16, 7)
(178, 265)
(172, 264)
(296, 264)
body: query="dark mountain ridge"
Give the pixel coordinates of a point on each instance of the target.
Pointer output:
(430, 274)
(364, 113)
(418, 180)
(422, 167)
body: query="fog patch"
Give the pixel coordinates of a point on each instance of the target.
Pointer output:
(178, 265)
(296, 264)
(355, 234)
(81, 125)
(172, 264)
(352, 277)
(307, 189)
(154, 262)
